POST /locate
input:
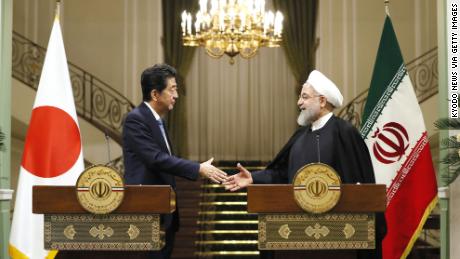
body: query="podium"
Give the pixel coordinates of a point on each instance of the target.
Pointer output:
(283, 225)
(131, 230)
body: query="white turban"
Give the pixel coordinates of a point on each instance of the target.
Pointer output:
(324, 86)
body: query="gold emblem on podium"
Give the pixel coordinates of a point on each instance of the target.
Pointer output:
(100, 189)
(316, 188)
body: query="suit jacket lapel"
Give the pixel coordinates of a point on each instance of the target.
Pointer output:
(154, 126)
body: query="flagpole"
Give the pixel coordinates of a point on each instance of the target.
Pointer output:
(58, 10)
(387, 8)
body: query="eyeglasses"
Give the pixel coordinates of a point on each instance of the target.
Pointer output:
(305, 97)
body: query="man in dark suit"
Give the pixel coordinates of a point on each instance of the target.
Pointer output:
(147, 153)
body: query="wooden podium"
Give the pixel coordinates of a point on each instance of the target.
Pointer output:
(283, 225)
(134, 227)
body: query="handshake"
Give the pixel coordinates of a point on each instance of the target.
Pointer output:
(232, 183)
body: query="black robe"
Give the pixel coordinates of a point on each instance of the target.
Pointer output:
(341, 147)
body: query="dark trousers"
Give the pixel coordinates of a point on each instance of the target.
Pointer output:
(166, 251)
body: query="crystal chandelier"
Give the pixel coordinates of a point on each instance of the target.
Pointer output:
(232, 27)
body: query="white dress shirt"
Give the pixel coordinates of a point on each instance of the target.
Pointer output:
(157, 117)
(319, 123)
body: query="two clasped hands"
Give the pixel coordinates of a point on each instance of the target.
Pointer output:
(232, 183)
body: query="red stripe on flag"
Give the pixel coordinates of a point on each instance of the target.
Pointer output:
(409, 205)
(406, 167)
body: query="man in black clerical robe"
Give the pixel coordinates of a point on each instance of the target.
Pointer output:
(323, 138)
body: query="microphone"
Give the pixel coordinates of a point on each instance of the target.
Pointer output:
(317, 148)
(107, 140)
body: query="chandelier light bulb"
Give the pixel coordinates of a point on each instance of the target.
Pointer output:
(232, 27)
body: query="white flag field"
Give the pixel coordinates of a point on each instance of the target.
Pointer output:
(52, 152)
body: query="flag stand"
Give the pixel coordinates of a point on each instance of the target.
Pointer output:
(443, 194)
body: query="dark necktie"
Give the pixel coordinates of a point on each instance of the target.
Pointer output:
(163, 132)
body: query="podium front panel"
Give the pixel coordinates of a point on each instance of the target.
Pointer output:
(303, 231)
(123, 232)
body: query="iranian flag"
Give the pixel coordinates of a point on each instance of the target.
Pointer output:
(52, 151)
(395, 133)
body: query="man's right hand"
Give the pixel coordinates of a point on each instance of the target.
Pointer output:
(207, 170)
(239, 180)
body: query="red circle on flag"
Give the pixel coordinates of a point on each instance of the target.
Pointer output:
(53, 142)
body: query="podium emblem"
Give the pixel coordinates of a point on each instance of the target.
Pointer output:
(100, 189)
(316, 188)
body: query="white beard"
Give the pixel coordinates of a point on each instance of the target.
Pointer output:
(302, 120)
(309, 114)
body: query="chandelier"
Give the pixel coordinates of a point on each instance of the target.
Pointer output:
(232, 27)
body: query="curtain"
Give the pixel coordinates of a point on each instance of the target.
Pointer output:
(299, 40)
(245, 111)
(179, 57)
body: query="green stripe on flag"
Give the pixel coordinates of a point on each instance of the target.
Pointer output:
(388, 68)
(381, 103)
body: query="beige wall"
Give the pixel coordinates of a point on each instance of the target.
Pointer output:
(349, 34)
(116, 39)
(112, 39)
